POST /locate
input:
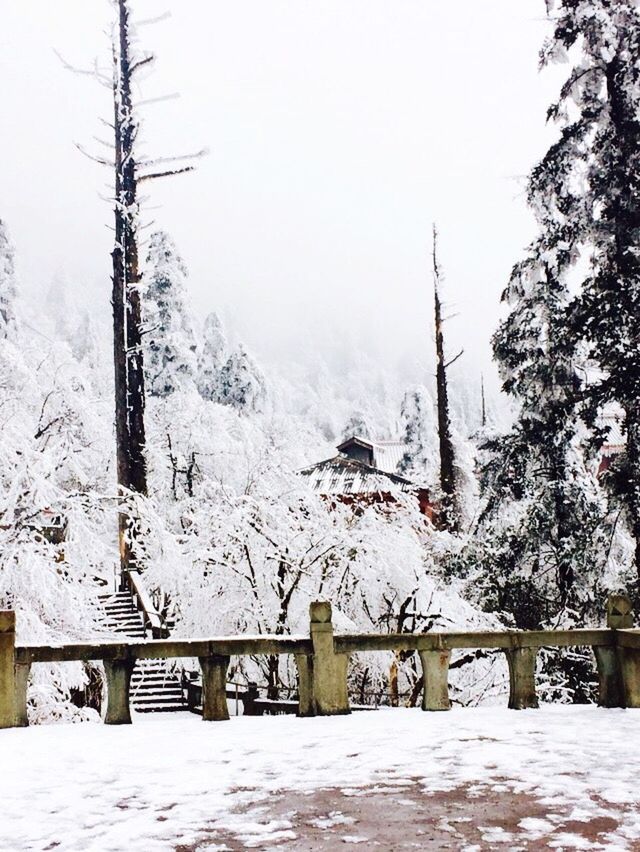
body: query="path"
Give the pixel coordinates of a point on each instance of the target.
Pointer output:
(558, 777)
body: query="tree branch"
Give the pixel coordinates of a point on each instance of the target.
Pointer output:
(453, 360)
(171, 173)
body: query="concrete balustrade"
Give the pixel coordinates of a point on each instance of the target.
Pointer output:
(7, 669)
(322, 660)
(21, 675)
(214, 688)
(522, 678)
(435, 672)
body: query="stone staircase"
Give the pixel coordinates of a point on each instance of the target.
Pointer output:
(155, 686)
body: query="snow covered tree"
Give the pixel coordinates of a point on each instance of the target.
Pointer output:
(130, 169)
(211, 357)
(598, 163)
(125, 299)
(542, 541)
(357, 425)
(170, 343)
(84, 341)
(420, 460)
(543, 516)
(8, 288)
(242, 384)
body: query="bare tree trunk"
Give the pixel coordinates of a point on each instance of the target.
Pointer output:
(449, 514)
(128, 362)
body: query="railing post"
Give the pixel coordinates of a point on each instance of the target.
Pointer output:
(522, 678)
(22, 671)
(214, 688)
(249, 699)
(435, 674)
(328, 670)
(609, 658)
(610, 686)
(304, 665)
(620, 617)
(118, 674)
(7, 669)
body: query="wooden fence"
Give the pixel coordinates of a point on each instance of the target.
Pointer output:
(322, 660)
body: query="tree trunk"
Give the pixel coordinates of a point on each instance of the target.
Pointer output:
(633, 486)
(128, 362)
(447, 458)
(565, 572)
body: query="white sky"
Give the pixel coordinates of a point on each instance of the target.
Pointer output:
(338, 131)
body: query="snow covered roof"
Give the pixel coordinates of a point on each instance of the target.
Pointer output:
(342, 475)
(388, 455)
(383, 455)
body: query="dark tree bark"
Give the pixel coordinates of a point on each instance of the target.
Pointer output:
(127, 349)
(449, 513)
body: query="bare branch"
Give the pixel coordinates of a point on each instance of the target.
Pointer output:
(157, 100)
(146, 60)
(103, 142)
(99, 160)
(156, 175)
(158, 161)
(453, 360)
(147, 21)
(94, 72)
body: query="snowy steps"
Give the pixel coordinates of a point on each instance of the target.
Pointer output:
(155, 686)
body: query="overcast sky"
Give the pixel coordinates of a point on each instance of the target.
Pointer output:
(338, 131)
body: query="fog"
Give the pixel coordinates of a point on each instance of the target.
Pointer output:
(338, 131)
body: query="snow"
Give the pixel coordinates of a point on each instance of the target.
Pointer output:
(175, 781)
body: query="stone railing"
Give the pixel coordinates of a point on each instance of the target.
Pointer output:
(133, 582)
(323, 659)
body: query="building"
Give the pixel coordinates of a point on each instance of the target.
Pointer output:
(615, 442)
(364, 473)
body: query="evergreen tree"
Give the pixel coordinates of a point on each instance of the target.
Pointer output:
(170, 358)
(8, 287)
(541, 537)
(84, 341)
(241, 382)
(211, 358)
(358, 426)
(599, 113)
(541, 527)
(420, 460)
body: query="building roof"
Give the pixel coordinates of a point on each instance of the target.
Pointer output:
(387, 455)
(342, 475)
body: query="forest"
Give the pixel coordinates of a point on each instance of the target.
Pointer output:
(153, 440)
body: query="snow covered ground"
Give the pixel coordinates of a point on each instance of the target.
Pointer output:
(559, 777)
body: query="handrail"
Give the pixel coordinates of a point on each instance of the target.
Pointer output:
(154, 649)
(322, 661)
(503, 639)
(151, 616)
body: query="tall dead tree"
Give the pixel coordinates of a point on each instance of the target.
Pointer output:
(125, 299)
(449, 514)
(130, 172)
